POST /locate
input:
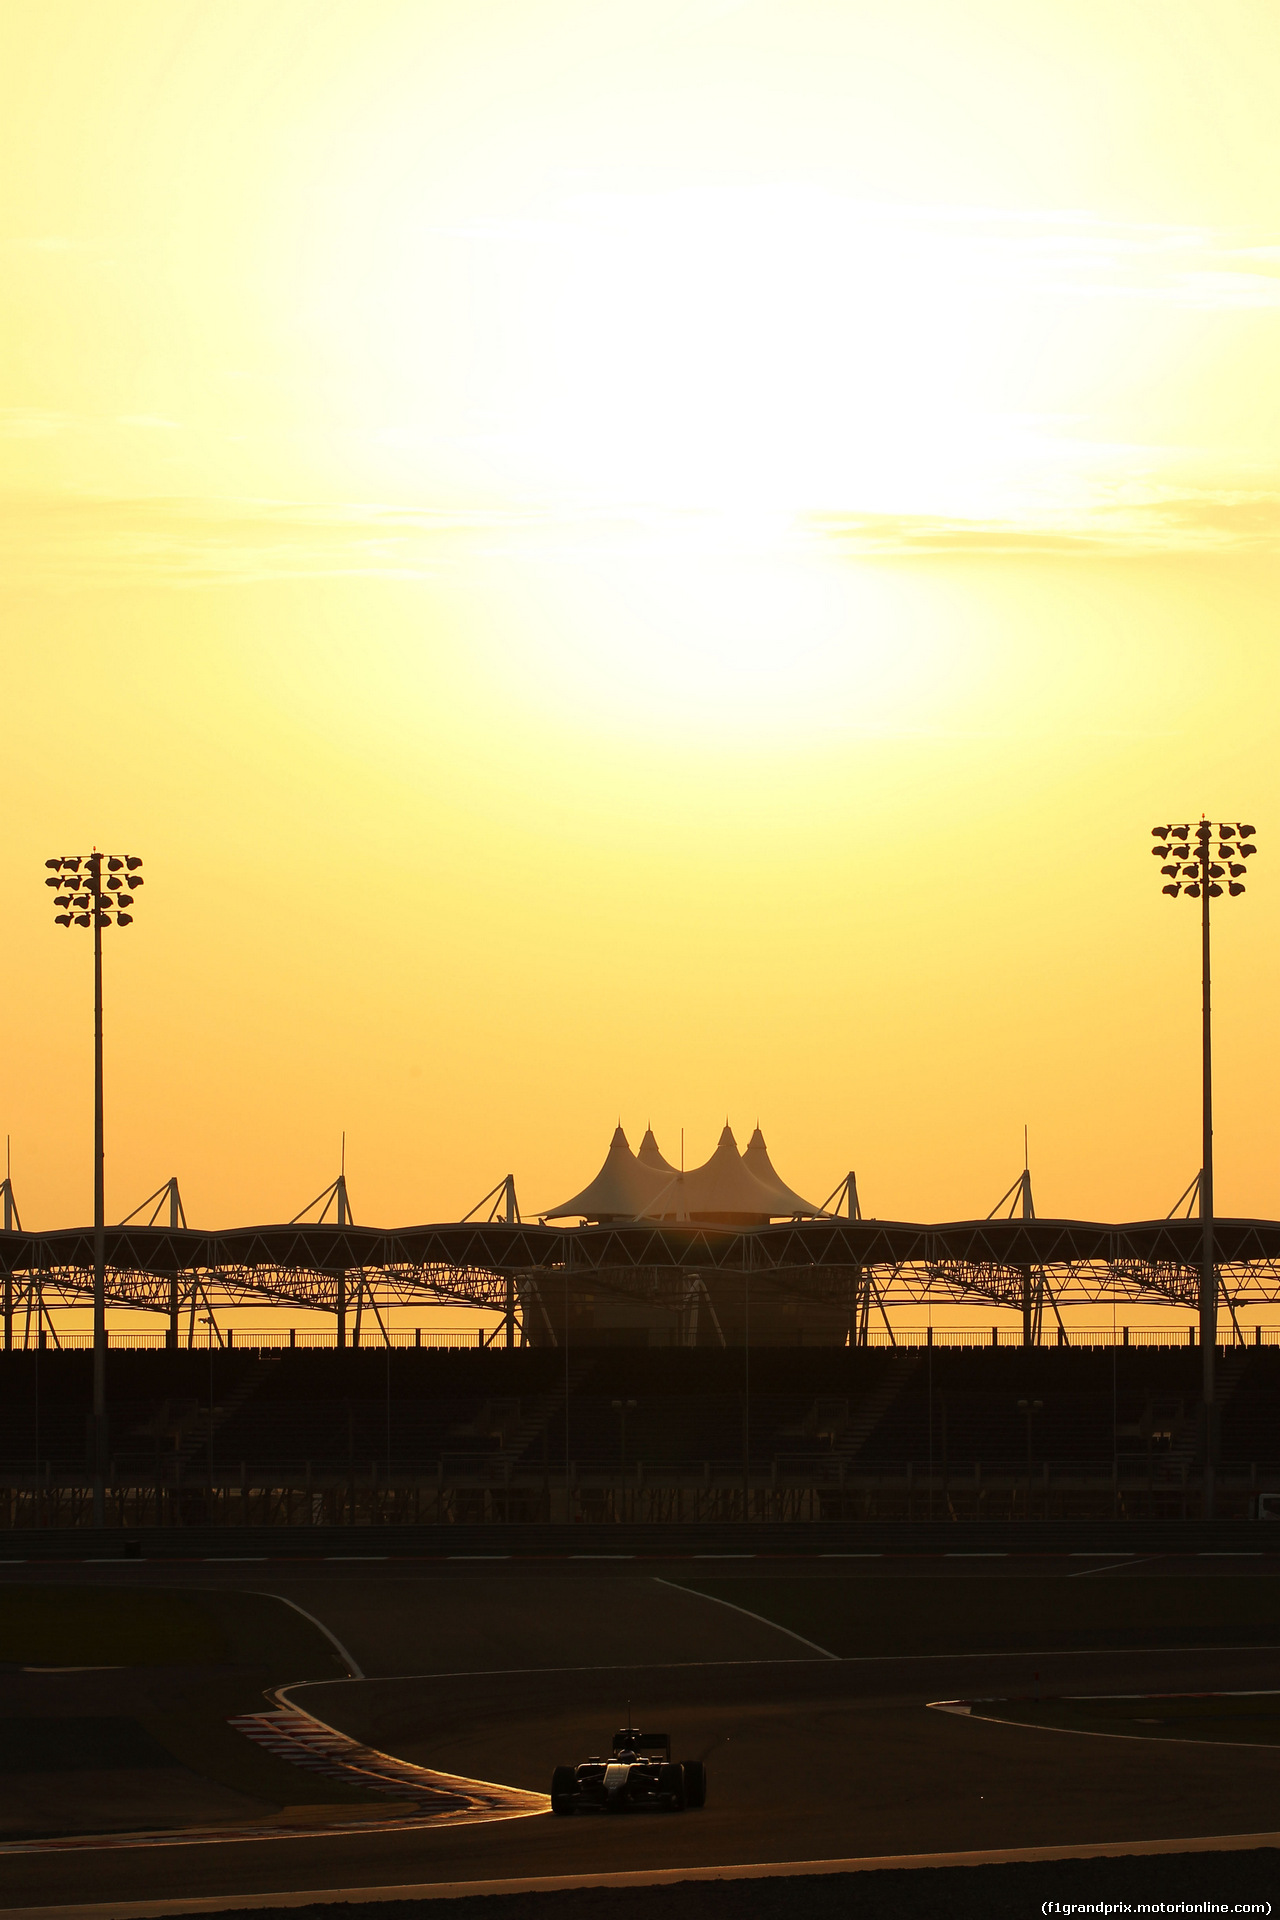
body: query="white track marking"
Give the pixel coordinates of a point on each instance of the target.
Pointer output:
(457, 1781)
(844, 1660)
(651, 1877)
(1091, 1733)
(290, 1733)
(735, 1608)
(510, 1673)
(223, 1836)
(357, 1671)
(295, 1735)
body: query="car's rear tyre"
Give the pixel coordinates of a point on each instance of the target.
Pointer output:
(671, 1786)
(695, 1784)
(563, 1785)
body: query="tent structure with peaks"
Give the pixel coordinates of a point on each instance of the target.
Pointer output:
(622, 1190)
(731, 1189)
(757, 1162)
(650, 1154)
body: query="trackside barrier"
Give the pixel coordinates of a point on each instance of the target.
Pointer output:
(516, 1540)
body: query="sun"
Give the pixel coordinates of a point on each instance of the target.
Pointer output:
(746, 349)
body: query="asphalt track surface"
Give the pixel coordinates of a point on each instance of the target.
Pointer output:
(498, 1672)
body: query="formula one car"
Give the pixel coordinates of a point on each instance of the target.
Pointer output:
(638, 1775)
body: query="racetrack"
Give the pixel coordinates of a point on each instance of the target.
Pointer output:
(500, 1671)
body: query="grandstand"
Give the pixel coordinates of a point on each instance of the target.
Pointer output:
(300, 1437)
(665, 1345)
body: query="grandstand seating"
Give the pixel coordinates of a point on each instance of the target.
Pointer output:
(501, 1416)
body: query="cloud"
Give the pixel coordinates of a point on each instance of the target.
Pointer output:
(1235, 519)
(60, 539)
(883, 533)
(31, 423)
(1159, 520)
(63, 540)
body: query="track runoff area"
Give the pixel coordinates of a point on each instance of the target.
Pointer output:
(907, 1734)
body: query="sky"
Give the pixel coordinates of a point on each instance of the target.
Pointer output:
(652, 560)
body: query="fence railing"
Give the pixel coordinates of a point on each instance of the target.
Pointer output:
(277, 1338)
(1010, 1336)
(274, 1339)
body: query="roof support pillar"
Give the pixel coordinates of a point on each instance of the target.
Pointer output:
(8, 1270)
(344, 1215)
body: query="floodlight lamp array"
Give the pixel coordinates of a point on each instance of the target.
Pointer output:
(94, 887)
(1186, 852)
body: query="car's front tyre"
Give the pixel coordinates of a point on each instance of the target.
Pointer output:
(695, 1784)
(563, 1787)
(671, 1786)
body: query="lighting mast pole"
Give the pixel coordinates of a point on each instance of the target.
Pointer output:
(1208, 1266)
(85, 901)
(99, 1211)
(1191, 869)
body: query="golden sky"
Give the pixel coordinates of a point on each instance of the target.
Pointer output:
(649, 559)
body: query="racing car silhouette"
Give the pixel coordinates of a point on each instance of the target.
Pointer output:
(638, 1775)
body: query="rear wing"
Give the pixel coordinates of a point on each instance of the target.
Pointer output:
(642, 1743)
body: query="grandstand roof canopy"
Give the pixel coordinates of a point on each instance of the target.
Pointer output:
(650, 1154)
(730, 1189)
(622, 1190)
(757, 1162)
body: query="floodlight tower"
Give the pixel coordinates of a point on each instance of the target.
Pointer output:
(1191, 869)
(97, 890)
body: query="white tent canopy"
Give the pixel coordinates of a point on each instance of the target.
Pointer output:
(622, 1190)
(757, 1162)
(650, 1154)
(730, 1189)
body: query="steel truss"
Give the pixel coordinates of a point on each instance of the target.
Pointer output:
(493, 1264)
